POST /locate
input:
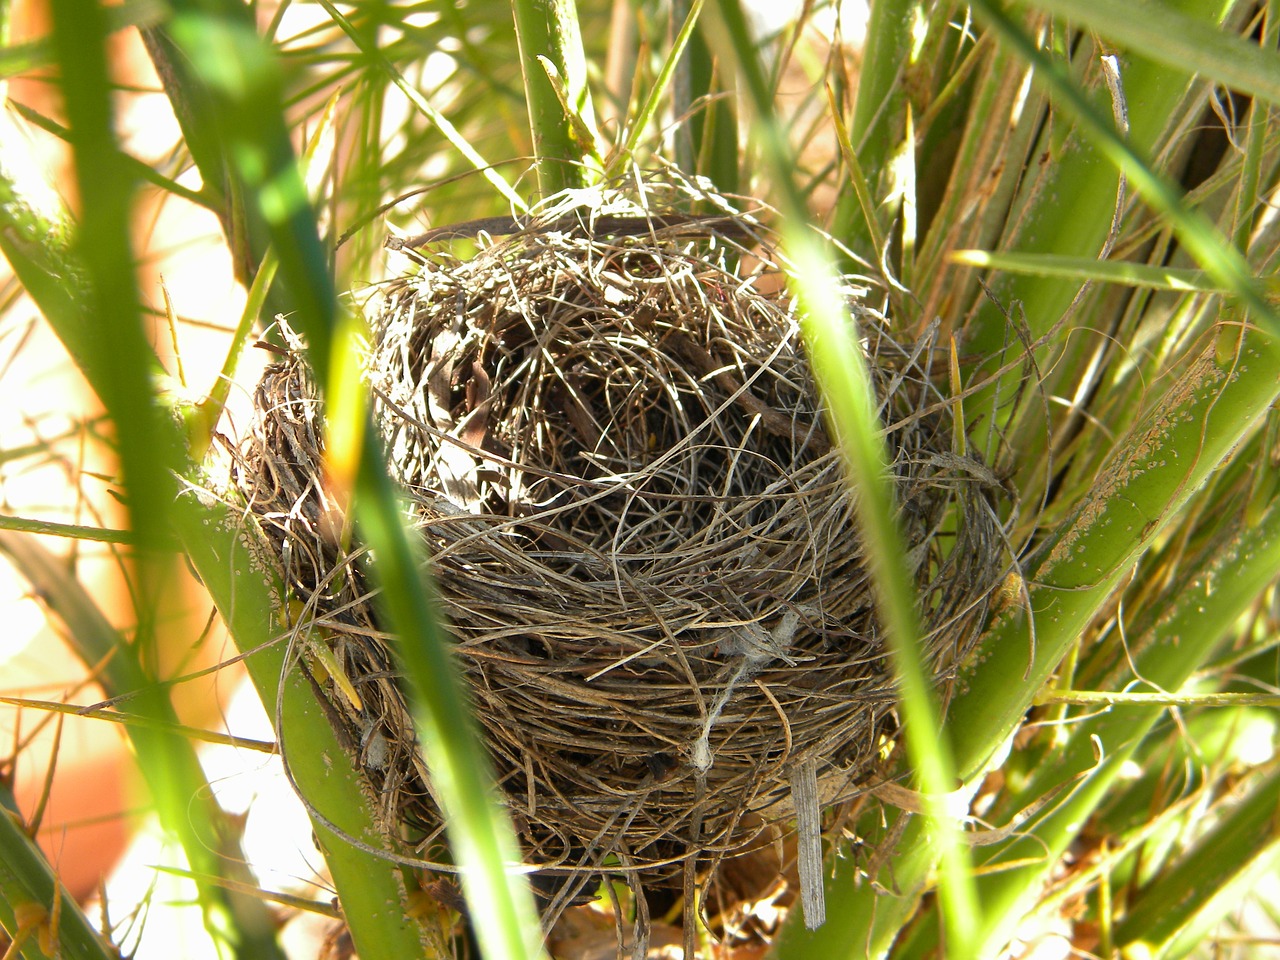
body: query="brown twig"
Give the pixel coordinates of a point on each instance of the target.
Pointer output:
(671, 224)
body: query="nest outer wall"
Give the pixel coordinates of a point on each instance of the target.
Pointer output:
(640, 534)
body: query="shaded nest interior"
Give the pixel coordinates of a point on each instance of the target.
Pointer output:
(640, 532)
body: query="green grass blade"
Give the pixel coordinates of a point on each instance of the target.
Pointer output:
(247, 89)
(1221, 261)
(1255, 874)
(136, 167)
(638, 125)
(104, 248)
(17, 59)
(877, 126)
(204, 418)
(869, 226)
(1083, 269)
(120, 716)
(208, 412)
(72, 531)
(840, 369)
(451, 133)
(1166, 35)
(479, 831)
(713, 131)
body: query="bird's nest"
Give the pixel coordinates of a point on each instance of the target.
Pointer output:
(643, 540)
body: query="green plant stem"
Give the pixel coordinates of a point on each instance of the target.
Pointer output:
(1102, 698)
(1090, 268)
(371, 891)
(116, 341)
(30, 897)
(1246, 835)
(97, 315)
(1181, 41)
(879, 116)
(35, 242)
(548, 29)
(72, 531)
(247, 107)
(639, 124)
(1066, 210)
(1224, 264)
(167, 760)
(1154, 470)
(479, 831)
(1196, 612)
(370, 49)
(841, 371)
(118, 716)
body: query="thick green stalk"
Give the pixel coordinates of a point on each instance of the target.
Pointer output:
(371, 890)
(561, 117)
(1247, 833)
(1162, 462)
(878, 115)
(1066, 209)
(33, 904)
(1196, 612)
(1223, 263)
(1146, 481)
(863, 921)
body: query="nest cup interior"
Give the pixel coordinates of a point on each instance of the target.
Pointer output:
(641, 535)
